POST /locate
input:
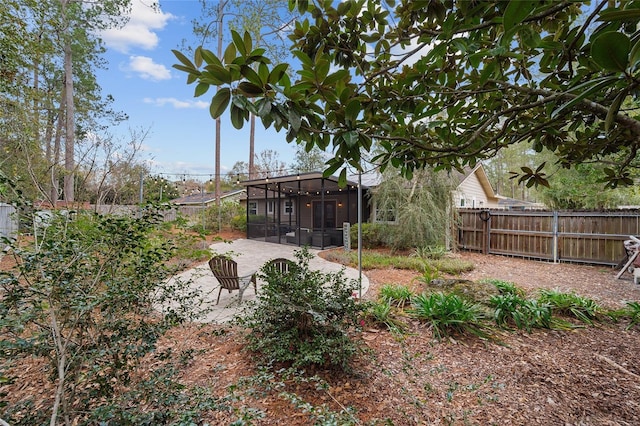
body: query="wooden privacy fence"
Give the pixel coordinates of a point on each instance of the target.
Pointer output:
(557, 236)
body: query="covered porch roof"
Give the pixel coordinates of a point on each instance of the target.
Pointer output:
(300, 184)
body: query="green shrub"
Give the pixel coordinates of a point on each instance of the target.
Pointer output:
(303, 317)
(447, 313)
(91, 307)
(239, 222)
(372, 235)
(570, 304)
(224, 215)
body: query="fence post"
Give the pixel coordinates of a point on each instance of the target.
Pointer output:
(554, 249)
(485, 217)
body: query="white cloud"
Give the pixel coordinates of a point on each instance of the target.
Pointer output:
(176, 103)
(147, 69)
(140, 30)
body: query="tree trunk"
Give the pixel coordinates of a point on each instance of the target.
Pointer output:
(69, 148)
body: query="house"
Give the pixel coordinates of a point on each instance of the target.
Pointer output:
(309, 209)
(474, 189)
(302, 209)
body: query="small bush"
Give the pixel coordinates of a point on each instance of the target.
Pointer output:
(447, 313)
(224, 215)
(239, 222)
(372, 235)
(303, 317)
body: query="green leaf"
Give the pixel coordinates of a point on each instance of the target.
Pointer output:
(614, 108)
(634, 55)
(263, 107)
(198, 56)
(219, 73)
(487, 71)
(351, 139)
(183, 59)
(611, 51)
(332, 79)
(295, 120)
(263, 72)
(250, 89)
(516, 12)
(334, 165)
(248, 44)
(596, 86)
(210, 58)
(352, 111)
(220, 102)
(237, 117)
(277, 72)
(230, 53)
(191, 71)
(239, 42)
(201, 89)
(620, 15)
(248, 73)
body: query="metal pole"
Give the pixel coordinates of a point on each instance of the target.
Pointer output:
(203, 209)
(360, 234)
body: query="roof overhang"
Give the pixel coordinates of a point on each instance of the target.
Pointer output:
(309, 183)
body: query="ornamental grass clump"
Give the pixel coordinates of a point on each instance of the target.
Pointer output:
(448, 313)
(570, 304)
(632, 310)
(395, 294)
(303, 317)
(512, 310)
(381, 313)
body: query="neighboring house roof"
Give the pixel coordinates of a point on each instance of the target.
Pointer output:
(206, 198)
(373, 178)
(481, 175)
(513, 203)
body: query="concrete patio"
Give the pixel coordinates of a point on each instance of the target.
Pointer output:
(250, 256)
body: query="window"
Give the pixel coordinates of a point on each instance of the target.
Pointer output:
(288, 207)
(270, 205)
(461, 202)
(253, 208)
(385, 215)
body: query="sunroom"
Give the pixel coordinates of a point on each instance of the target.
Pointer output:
(303, 209)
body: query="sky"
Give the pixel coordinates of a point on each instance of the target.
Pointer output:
(156, 97)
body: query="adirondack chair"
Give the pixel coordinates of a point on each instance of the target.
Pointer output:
(226, 272)
(284, 266)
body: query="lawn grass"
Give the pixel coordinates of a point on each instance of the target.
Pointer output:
(378, 260)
